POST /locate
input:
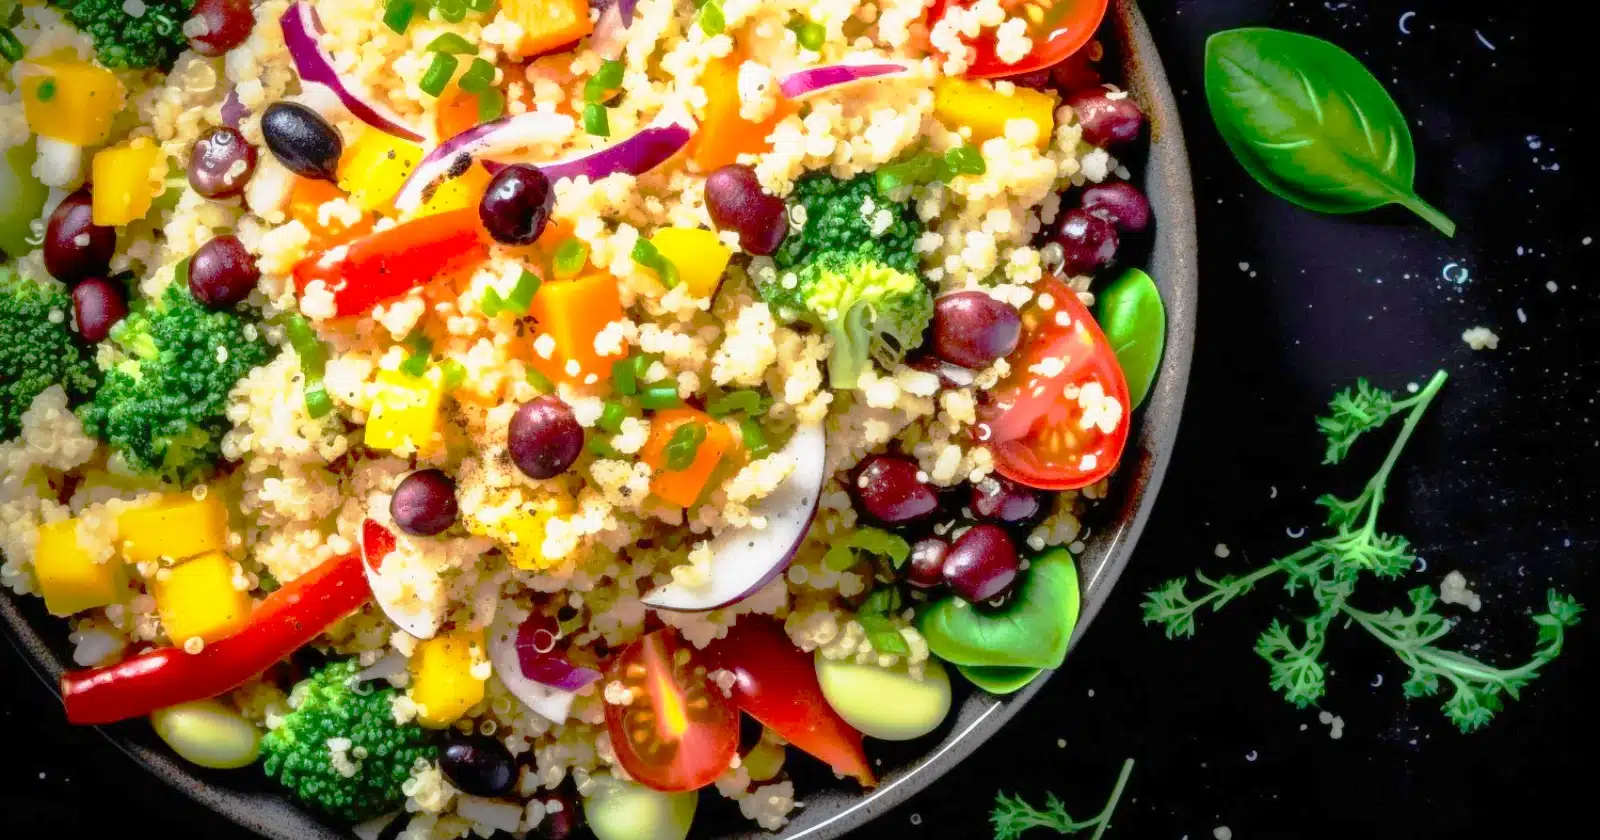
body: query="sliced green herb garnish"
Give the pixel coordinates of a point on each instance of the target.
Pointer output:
(963, 160)
(595, 120)
(684, 445)
(453, 11)
(605, 84)
(516, 301)
(711, 19)
(452, 43)
(1012, 816)
(491, 105)
(421, 347)
(748, 401)
(881, 601)
(397, 14)
(612, 415)
(623, 377)
(438, 74)
(318, 403)
(658, 397)
(540, 382)
(884, 635)
(754, 438)
(811, 35)
(601, 447)
(481, 5)
(10, 47)
(452, 374)
(570, 258)
(479, 76)
(646, 254)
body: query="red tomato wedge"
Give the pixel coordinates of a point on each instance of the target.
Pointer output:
(376, 543)
(677, 732)
(1058, 28)
(389, 263)
(1059, 421)
(776, 683)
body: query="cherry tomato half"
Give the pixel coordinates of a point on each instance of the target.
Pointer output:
(776, 683)
(1059, 421)
(677, 732)
(1058, 28)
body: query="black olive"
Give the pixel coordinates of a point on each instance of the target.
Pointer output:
(301, 140)
(478, 765)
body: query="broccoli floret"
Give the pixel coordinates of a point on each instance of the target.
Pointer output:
(37, 348)
(851, 269)
(153, 39)
(164, 401)
(330, 704)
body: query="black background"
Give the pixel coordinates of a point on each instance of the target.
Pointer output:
(1499, 483)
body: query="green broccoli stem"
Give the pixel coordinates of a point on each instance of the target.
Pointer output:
(852, 343)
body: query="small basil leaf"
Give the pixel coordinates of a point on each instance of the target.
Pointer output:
(998, 679)
(1134, 320)
(1311, 124)
(1031, 631)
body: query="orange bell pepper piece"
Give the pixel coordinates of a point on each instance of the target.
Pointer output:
(458, 111)
(308, 195)
(548, 24)
(573, 312)
(683, 487)
(723, 134)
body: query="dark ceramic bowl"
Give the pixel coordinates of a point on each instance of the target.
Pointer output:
(833, 810)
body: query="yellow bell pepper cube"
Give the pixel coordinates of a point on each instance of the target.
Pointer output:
(697, 254)
(375, 167)
(979, 107)
(178, 526)
(196, 598)
(521, 532)
(70, 580)
(127, 178)
(442, 681)
(405, 410)
(457, 193)
(70, 100)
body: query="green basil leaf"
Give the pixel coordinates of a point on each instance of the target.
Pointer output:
(1031, 631)
(998, 679)
(1311, 124)
(1134, 320)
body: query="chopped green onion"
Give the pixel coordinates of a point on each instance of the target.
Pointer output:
(754, 437)
(811, 35)
(884, 635)
(711, 20)
(623, 377)
(313, 354)
(478, 78)
(917, 169)
(491, 105)
(612, 415)
(602, 448)
(46, 90)
(882, 601)
(595, 120)
(684, 446)
(481, 5)
(516, 302)
(453, 373)
(657, 397)
(540, 382)
(10, 47)
(646, 254)
(747, 400)
(839, 558)
(641, 366)
(438, 74)
(452, 43)
(604, 85)
(318, 403)
(421, 346)
(571, 256)
(964, 160)
(453, 11)
(883, 544)
(397, 14)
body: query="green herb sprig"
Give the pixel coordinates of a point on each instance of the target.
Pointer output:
(1329, 567)
(1012, 816)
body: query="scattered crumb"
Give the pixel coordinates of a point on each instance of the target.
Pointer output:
(1334, 723)
(1250, 756)
(1522, 317)
(1455, 590)
(1551, 285)
(1481, 338)
(1221, 550)
(1222, 832)
(1061, 743)
(916, 819)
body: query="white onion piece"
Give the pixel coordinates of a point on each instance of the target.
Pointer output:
(377, 542)
(373, 829)
(391, 664)
(830, 76)
(504, 135)
(745, 559)
(548, 702)
(301, 28)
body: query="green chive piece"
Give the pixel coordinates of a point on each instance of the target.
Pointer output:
(917, 169)
(452, 43)
(657, 397)
(492, 304)
(601, 447)
(623, 379)
(646, 254)
(839, 558)
(313, 354)
(453, 11)
(612, 415)
(884, 635)
(540, 382)
(397, 14)
(10, 47)
(595, 120)
(46, 90)
(754, 437)
(438, 74)
(604, 85)
(491, 105)
(521, 296)
(421, 346)
(571, 256)
(811, 35)
(747, 400)
(318, 403)
(478, 78)
(641, 366)
(711, 20)
(964, 160)
(481, 5)
(882, 601)
(684, 446)
(453, 373)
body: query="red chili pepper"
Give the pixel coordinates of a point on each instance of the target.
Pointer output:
(284, 622)
(389, 263)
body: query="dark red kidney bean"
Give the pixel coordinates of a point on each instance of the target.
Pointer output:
(736, 202)
(516, 206)
(477, 764)
(1088, 243)
(925, 568)
(227, 25)
(562, 816)
(1120, 203)
(302, 140)
(1003, 500)
(982, 565)
(887, 489)
(222, 272)
(75, 248)
(97, 306)
(545, 438)
(1108, 119)
(425, 503)
(972, 329)
(221, 163)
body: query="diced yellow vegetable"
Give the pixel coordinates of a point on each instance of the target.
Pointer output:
(697, 254)
(127, 178)
(197, 598)
(442, 684)
(70, 100)
(375, 167)
(520, 531)
(406, 409)
(457, 193)
(70, 580)
(978, 106)
(178, 526)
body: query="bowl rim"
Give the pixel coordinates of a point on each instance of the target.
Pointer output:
(833, 813)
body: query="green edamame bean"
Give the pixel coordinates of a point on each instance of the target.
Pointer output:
(883, 702)
(209, 734)
(618, 810)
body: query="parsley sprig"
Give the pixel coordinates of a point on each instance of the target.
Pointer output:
(1328, 569)
(1012, 816)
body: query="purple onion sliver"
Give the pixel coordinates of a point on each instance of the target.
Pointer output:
(814, 79)
(504, 134)
(233, 111)
(626, 7)
(555, 671)
(636, 155)
(301, 26)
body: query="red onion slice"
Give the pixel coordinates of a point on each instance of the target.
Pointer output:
(233, 111)
(654, 145)
(829, 76)
(548, 701)
(536, 643)
(301, 28)
(507, 134)
(743, 560)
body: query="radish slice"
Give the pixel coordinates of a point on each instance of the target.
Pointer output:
(504, 135)
(377, 543)
(829, 76)
(301, 28)
(547, 701)
(745, 559)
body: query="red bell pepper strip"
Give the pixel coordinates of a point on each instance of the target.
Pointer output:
(387, 264)
(285, 621)
(776, 683)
